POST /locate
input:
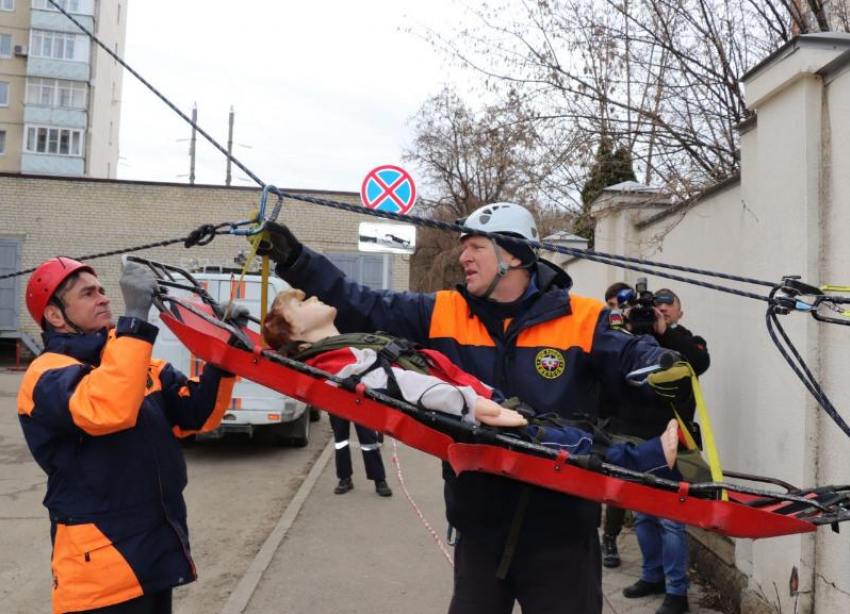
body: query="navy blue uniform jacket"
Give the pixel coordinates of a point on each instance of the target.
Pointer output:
(551, 355)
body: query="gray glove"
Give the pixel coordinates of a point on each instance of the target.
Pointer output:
(239, 315)
(137, 285)
(281, 246)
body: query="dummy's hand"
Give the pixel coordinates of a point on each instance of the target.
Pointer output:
(138, 286)
(673, 382)
(280, 244)
(490, 412)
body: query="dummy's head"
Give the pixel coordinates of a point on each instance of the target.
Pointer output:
(292, 320)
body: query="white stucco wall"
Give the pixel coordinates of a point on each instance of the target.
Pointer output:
(784, 217)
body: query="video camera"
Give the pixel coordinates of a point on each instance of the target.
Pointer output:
(641, 317)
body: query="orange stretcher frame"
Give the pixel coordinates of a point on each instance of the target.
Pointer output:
(749, 513)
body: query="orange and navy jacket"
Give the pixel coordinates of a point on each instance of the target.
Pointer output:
(549, 349)
(102, 419)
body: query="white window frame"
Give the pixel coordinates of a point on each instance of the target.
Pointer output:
(5, 93)
(52, 139)
(71, 6)
(44, 91)
(58, 46)
(7, 37)
(7, 5)
(2, 142)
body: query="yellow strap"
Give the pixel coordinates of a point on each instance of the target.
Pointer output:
(707, 435)
(264, 296)
(835, 288)
(255, 243)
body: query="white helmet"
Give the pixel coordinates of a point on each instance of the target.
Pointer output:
(507, 219)
(504, 219)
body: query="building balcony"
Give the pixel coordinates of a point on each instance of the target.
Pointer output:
(48, 164)
(57, 22)
(58, 69)
(54, 116)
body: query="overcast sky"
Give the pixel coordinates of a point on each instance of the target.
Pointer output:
(323, 90)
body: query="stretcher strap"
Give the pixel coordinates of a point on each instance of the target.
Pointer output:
(707, 433)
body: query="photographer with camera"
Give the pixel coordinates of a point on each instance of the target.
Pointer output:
(663, 543)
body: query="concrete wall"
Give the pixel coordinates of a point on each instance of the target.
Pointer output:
(78, 217)
(784, 217)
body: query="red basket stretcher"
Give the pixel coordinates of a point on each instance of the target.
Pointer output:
(749, 512)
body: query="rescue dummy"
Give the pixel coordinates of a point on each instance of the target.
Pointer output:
(305, 330)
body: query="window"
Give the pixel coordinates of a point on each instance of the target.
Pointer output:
(56, 93)
(56, 45)
(61, 141)
(4, 94)
(2, 142)
(72, 6)
(7, 5)
(5, 45)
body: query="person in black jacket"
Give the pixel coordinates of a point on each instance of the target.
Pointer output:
(664, 543)
(614, 516)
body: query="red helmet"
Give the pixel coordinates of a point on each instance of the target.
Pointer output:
(46, 279)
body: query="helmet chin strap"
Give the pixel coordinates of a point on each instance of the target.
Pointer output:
(68, 320)
(500, 273)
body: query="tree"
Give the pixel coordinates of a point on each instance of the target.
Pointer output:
(610, 167)
(469, 159)
(661, 77)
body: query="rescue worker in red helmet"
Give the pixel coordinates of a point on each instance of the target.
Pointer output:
(515, 326)
(102, 419)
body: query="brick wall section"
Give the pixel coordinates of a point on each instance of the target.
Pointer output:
(77, 217)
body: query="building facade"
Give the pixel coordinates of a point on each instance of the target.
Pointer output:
(59, 92)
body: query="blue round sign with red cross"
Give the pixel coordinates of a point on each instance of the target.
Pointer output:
(388, 188)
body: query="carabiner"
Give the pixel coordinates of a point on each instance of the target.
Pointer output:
(259, 221)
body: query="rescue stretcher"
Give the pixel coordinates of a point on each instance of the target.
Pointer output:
(748, 512)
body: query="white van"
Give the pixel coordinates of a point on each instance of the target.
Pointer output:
(264, 414)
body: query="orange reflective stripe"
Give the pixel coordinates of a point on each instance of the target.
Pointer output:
(222, 404)
(185, 391)
(88, 571)
(108, 399)
(154, 383)
(46, 362)
(450, 319)
(567, 331)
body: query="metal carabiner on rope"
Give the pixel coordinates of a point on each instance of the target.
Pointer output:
(259, 221)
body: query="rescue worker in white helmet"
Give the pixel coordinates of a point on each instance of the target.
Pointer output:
(514, 325)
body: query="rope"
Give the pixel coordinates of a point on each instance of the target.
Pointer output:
(419, 513)
(200, 236)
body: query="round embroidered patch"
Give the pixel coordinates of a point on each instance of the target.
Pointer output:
(550, 363)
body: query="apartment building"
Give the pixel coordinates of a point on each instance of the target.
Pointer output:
(60, 94)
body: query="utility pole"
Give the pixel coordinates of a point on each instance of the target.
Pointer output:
(229, 147)
(192, 144)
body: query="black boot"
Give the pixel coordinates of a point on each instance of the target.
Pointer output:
(673, 604)
(345, 484)
(642, 588)
(610, 554)
(383, 489)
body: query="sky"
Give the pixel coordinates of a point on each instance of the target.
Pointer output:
(323, 90)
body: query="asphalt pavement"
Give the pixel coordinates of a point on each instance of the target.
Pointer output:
(359, 552)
